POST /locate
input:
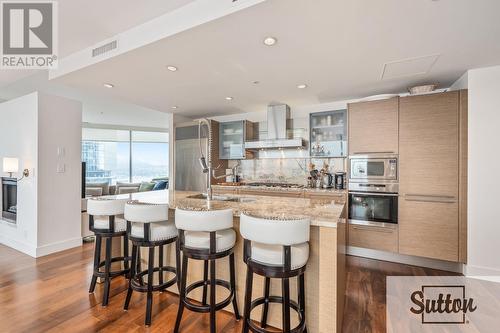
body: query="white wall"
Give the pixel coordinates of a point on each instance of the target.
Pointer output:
(18, 138)
(59, 200)
(483, 184)
(122, 114)
(31, 129)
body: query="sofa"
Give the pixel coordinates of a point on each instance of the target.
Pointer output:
(104, 188)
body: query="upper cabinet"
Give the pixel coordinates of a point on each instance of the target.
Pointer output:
(373, 127)
(328, 137)
(232, 137)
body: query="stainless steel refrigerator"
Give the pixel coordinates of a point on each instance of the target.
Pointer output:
(188, 172)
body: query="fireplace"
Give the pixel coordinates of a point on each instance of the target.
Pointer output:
(9, 199)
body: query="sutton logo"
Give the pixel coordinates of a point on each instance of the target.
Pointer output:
(442, 304)
(29, 35)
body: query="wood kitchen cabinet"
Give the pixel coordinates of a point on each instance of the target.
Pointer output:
(373, 127)
(430, 145)
(371, 237)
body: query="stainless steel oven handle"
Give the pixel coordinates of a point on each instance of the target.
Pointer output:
(372, 152)
(430, 198)
(376, 194)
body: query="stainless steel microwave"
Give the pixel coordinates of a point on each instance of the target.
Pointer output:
(373, 167)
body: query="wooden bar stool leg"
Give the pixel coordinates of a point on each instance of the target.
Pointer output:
(265, 310)
(160, 265)
(97, 260)
(248, 299)
(232, 277)
(149, 301)
(132, 275)
(178, 264)
(182, 293)
(302, 297)
(285, 286)
(205, 281)
(125, 254)
(212, 297)
(139, 265)
(107, 268)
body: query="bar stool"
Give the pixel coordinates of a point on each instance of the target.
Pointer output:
(275, 249)
(148, 226)
(207, 236)
(106, 222)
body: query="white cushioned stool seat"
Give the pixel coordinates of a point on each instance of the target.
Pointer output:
(107, 207)
(269, 236)
(145, 213)
(225, 239)
(157, 230)
(272, 255)
(102, 222)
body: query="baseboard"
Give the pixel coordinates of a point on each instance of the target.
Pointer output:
(405, 259)
(58, 246)
(19, 246)
(481, 271)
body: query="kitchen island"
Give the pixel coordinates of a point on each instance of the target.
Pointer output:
(325, 274)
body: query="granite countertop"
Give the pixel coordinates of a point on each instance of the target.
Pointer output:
(283, 189)
(322, 212)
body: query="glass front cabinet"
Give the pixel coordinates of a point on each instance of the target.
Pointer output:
(328, 134)
(232, 137)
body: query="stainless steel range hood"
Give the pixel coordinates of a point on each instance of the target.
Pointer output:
(277, 116)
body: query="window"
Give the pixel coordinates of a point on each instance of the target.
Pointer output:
(149, 156)
(124, 156)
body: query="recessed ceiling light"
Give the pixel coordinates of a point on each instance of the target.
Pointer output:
(172, 68)
(229, 98)
(109, 85)
(270, 41)
(175, 107)
(302, 86)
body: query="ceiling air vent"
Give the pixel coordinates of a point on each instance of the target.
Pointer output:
(104, 48)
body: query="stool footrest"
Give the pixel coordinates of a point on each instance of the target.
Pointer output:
(101, 274)
(275, 299)
(206, 308)
(143, 287)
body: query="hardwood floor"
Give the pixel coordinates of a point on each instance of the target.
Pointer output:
(49, 294)
(364, 310)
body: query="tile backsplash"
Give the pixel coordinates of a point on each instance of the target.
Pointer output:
(289, 170)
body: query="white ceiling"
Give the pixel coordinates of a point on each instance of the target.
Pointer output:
(338, 48)
(83, 23)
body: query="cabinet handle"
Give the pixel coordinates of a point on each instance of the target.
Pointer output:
(430, 198)
(384, 230)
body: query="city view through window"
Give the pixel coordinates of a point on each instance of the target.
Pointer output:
(113, 156)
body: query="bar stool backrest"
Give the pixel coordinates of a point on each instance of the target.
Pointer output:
(207, 221)
(145, 213)
(274, 232)
(105, 207)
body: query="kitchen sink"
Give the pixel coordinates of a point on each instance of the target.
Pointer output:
(221, 198)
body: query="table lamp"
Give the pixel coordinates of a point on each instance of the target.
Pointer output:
(10, 165)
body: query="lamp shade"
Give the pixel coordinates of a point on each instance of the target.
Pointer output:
(10, 164)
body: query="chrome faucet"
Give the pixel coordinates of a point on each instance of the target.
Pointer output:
(206, 162)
